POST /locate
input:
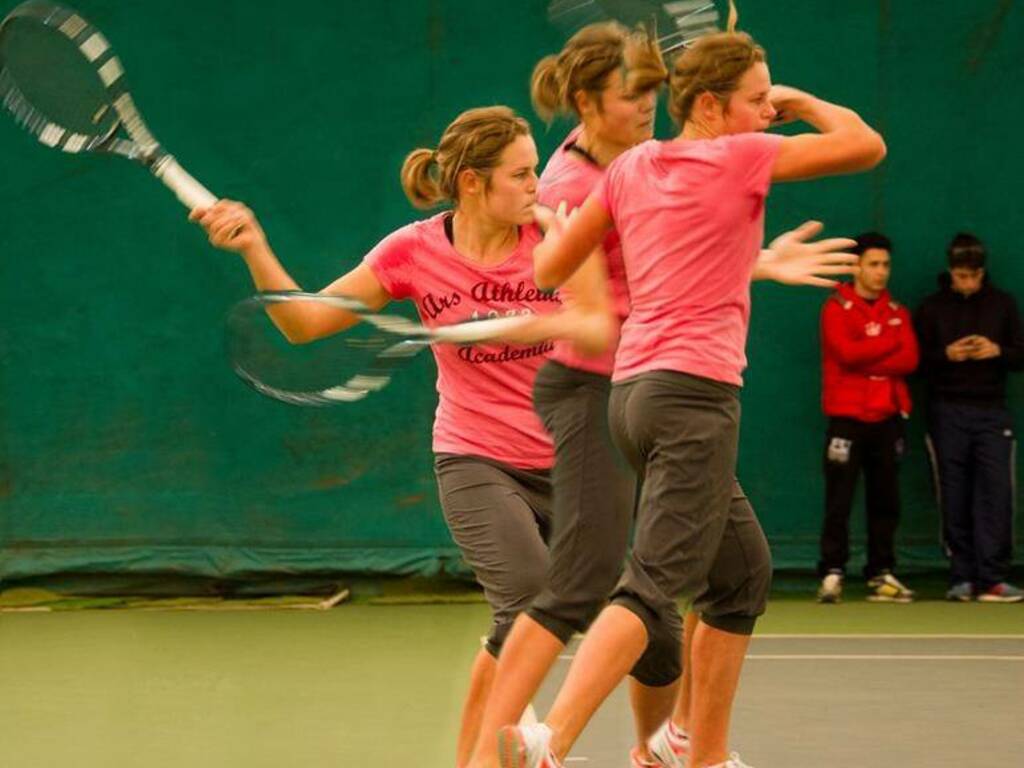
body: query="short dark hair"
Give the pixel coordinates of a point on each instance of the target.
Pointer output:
(965, 251)
(868, 240)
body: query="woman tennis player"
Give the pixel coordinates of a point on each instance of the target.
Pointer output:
(689, 214)
(608, 78)
(493, 456)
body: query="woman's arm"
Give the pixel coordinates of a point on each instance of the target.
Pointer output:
(844, 144)
(585, 318)
(565, 248)
(232, 226)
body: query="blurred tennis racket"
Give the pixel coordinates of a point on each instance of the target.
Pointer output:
(61, 81)
(680, 21)
(342, 368)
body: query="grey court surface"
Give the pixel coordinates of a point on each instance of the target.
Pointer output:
(852, 701)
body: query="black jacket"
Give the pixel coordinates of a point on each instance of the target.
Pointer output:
(946, 316)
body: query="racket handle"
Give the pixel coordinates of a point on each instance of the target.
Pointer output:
(190, 192)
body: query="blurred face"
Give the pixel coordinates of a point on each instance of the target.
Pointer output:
(875, 267)
(508, 196)
(618, 116)
(748, 108)
(965, 280)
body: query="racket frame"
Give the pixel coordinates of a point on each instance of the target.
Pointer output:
(412, 339)
(94, 47)
(690, 19)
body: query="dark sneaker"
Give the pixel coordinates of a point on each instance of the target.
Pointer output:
(962, 592)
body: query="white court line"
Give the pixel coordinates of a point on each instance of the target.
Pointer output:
(865, 636)
(868, 657)
(876, 657)
(877, 636)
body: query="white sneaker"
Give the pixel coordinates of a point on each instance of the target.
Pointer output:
(670, 746)
(526, 746)
(635, 761)
(831, 589)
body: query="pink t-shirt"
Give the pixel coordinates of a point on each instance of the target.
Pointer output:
(569, 177)
(690, 215)
(484, 391)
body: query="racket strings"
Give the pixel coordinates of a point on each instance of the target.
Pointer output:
(50, 86)
(61, 81)
(344, 367)
(692, 19)
(688, 19)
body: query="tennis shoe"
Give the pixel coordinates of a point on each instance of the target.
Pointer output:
(1002, 593)
(669, 746)
(526, 746)
(635, 761)
(961, 592)
(886, 588)
(831, 589)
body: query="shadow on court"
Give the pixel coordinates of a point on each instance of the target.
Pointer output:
(831, 701)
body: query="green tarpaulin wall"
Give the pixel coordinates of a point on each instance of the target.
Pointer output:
(128, 446)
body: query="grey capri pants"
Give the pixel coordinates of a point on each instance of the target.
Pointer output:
(594, 496)
(696, 534)
(500, 517)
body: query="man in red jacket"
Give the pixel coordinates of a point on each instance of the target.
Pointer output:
(868, 347)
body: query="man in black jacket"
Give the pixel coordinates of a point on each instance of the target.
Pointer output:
(970, 337)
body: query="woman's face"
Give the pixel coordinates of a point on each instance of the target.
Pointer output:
(618, 116)
(748, 108)
(510, 194)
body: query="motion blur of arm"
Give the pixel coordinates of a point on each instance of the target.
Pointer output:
(844, 142)
(565, 248)
(792, 260)
(233, 227)
(586, 319)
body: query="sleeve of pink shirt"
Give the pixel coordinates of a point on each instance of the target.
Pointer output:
(555, 194)
(393, 261)
(753, 157)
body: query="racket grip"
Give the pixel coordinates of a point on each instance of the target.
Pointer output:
(190, 192)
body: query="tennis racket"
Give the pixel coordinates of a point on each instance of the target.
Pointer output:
(342, 368)
(62, 82)
(684, 20)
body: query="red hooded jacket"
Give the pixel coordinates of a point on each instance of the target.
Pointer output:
(866, 350)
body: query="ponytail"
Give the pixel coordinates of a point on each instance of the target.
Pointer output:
(546, 88)
(474, 141)
(418, 180)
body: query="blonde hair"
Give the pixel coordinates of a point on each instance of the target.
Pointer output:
(714, 64)
(585, 63)
(473, 141)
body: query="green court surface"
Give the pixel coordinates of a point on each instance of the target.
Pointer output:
(381, 685)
